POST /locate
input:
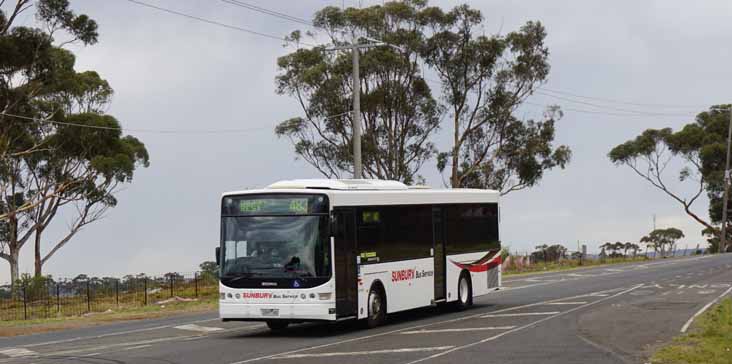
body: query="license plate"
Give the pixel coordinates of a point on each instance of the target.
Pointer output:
(270, 312)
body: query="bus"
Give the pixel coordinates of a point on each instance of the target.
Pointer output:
(331, 250)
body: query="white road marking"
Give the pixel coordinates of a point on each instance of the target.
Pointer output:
(521, 327)
(17, 352)
(521, 314)
(703, 309)
(437, 331)
(359, 353)
(414, 328)
(198, 328)
(568, 303)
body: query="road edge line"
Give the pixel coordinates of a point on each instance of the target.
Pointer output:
(703, 309)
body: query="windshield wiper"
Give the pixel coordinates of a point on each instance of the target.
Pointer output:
(234, 278)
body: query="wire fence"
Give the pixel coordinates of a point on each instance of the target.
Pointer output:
(48, 298)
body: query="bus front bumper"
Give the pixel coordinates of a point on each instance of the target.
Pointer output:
(260, 312)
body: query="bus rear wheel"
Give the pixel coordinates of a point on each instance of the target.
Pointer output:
(376, 307)
(465, 292)
(277, 325)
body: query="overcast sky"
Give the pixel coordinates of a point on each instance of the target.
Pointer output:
(175, 73)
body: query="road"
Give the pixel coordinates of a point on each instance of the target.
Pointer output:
(612, 314)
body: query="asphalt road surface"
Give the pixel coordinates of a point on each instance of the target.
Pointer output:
(615, 314)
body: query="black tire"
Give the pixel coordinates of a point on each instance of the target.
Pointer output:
(465, 292)
(277, 325)
(376, 305)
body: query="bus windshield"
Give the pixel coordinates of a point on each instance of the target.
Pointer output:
(275, 247)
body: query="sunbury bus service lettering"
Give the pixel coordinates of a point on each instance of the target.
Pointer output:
(263, 295)
(409, 274)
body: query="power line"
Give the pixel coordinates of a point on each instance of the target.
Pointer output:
(156, 131)
(212, 22)
(641, 112)
(668, 106)
(269, 12)
(595, 112)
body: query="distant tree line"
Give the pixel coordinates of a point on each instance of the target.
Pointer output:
(662, 241)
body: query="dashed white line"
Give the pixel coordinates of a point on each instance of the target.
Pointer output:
(437, 331)
(360, 353)
(567, 303)
(198, 328)
(17, 352)
(520, 314)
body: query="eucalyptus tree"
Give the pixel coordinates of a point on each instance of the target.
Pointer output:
(663, 240)
(398, 112)
(699, 147)
(57, 146)
(481, 80)
(484, 79)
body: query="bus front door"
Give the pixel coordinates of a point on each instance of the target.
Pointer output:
(345, 263)
(438, 240)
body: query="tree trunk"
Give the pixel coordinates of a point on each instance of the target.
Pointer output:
(14, 271)
(37, 255)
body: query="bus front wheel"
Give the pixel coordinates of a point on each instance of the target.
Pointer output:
(277, 325)
(376, 307)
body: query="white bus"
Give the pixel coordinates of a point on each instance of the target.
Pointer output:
(329, 250)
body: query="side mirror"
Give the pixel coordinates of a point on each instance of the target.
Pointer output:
(218, 255)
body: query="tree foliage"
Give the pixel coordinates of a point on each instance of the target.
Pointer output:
(398, 111)
(482, 79)
(549, 253)
(60, 154)
(663, 240)
(699, 146)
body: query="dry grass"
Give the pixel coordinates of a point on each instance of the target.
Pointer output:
(566, 264)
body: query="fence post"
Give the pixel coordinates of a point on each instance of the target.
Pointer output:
(195, 282)
(48, 298)
(58, 299)
(145, 290)
(88, 297)
(171, 285)
(25, 302)
(116, 291)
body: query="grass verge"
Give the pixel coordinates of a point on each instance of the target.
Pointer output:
(568, 264)
(709, 342)
(26, 327)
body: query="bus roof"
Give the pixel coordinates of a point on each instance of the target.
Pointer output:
(376, 192)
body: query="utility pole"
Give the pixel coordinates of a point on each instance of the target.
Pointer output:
(354, 48)
(357, 166)
(723, 238)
